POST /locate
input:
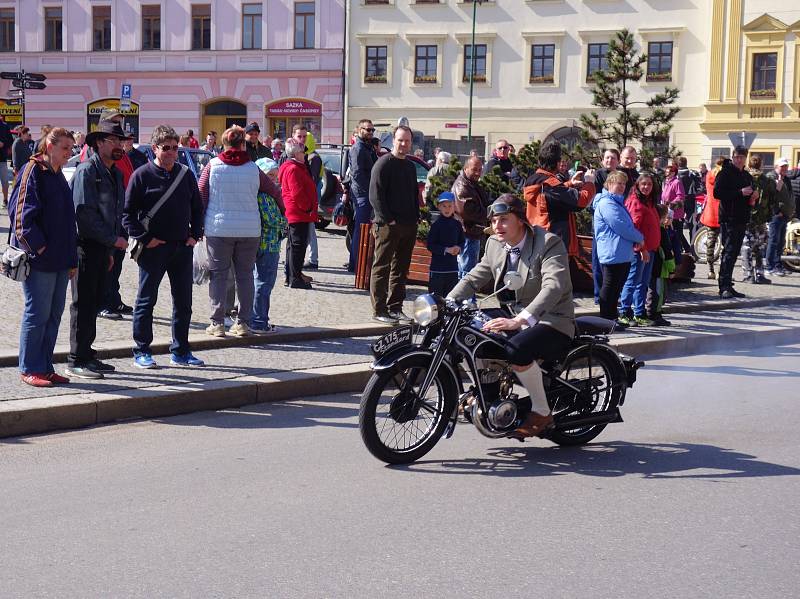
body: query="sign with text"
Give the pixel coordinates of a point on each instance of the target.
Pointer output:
(455, 125)
(290, 108)
(130, 115)
(12, 113)
(125, 97)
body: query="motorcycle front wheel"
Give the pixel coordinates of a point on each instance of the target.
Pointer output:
(397, 425)
(601, 381)
(699, 246)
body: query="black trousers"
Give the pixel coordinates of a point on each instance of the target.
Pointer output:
(88, 291)
(296, 250)
(442, 283)
(614, 277)
(111, 298)
(540, 341)
(732, 236)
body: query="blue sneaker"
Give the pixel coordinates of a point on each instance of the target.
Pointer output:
(144, 361)
(187, 360)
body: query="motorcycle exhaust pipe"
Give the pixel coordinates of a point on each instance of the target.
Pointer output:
(571, 422)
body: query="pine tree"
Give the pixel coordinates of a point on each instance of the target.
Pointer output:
(644, 122)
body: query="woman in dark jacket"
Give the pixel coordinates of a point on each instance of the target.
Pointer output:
(42, 218)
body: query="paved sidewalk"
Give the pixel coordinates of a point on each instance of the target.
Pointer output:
(253, 374)
(332, 304)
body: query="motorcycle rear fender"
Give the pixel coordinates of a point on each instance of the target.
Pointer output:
(389, 360)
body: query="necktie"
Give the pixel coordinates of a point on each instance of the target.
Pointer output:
(512, 257)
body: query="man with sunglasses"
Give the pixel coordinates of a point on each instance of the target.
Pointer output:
(169, 238)
(500, 158)
(98, 194)
(360, 159)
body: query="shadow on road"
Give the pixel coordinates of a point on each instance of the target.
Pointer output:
(650, 460)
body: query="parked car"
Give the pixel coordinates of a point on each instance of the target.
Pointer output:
(194, 158)
(332, 190)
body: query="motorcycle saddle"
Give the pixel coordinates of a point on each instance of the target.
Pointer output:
(593, 325)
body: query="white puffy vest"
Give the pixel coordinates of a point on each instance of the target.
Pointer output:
(232, 201)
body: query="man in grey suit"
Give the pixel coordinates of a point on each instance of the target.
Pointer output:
(545, 315)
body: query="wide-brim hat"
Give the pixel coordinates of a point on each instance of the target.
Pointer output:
(104, 129)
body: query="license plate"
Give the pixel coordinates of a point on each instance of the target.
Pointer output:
(396, 338)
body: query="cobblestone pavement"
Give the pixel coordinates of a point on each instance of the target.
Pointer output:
(333, 300)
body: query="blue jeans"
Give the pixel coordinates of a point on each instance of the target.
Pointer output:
(777, 237)
(597, 272)
(634, 293)
(173, 258)
(468, 258)
(45, 296)
(264, 275)
(362, 214)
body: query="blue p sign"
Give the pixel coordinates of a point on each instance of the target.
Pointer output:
(126, 90)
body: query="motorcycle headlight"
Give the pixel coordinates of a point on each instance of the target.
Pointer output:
(425, 310)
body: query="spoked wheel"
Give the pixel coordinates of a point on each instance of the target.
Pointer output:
(398, 425)
(699, 246)
(601, 383)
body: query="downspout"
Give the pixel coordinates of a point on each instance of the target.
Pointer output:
(345, 70)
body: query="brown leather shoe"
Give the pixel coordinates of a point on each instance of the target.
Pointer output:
(534, 425)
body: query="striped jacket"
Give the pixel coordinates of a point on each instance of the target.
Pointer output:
(42, 215)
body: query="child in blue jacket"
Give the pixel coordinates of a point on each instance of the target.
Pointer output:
(445, 241)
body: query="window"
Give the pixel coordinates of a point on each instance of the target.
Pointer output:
(7, 30)
(304, 25)
(151, 27)
(480, 62)
(659, 61)
(376, 1)
(543, 61)
(597, 60)
(765, 70)
(425, 64)
(767, 159)
(101, 28)
(201, 26)
(724, 151)
(251, 26)
(53, 40)
(376, 65)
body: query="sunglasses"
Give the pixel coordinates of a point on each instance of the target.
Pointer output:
(369, 129)
(169, 148)
(504, 148)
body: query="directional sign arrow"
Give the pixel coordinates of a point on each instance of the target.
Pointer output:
(35, 85)
(35, 76)
(14, 102)
(10, 75)
(15, 93)
(18, 83)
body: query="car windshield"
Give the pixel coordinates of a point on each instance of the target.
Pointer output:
(332, 162)
(200, 159)
(422, 172)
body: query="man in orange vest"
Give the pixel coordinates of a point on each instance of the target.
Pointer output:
(551, 203)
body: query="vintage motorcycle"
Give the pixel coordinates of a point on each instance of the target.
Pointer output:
(417, 392)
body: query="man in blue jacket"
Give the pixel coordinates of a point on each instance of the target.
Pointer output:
(361, 159)
(98, 195)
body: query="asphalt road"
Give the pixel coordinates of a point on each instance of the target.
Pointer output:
(695, 495)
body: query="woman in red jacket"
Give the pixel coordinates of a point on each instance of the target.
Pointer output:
(300, 198)
(641, 204)
(710, 217)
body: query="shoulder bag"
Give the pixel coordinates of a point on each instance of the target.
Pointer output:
(14, 262)
(136, 246)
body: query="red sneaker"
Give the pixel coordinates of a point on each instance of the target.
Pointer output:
(57, 379)
(37, 380)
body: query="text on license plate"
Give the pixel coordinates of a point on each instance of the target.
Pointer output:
(395, 338)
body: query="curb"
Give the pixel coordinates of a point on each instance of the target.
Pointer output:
(31, 416)
(201, 341)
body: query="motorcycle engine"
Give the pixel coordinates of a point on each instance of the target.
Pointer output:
(497, 383)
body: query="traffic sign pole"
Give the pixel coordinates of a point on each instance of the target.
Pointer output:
(22, 81)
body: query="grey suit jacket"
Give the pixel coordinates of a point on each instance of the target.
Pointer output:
(546, 292)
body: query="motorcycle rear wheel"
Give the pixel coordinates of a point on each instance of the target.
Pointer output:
(602, 381)
(398, 426)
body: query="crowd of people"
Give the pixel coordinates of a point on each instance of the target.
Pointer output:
(253, 193)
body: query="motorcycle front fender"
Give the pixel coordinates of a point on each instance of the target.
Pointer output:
(420, 356)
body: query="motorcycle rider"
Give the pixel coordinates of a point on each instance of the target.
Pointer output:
(546, 324)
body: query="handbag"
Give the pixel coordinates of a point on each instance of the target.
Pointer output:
(136, 246)
(14, 262)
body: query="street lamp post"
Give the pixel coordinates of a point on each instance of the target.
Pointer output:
(472, 68)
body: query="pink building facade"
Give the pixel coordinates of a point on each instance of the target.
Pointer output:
(191, 64)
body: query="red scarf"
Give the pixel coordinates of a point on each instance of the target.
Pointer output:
(234, 157)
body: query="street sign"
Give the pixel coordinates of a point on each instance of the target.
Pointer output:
(31, 84)
(35, 76)
(16, 93)
(10, 75)
(455, 125)
(14, 102)
(125, 97)
(743, 138)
